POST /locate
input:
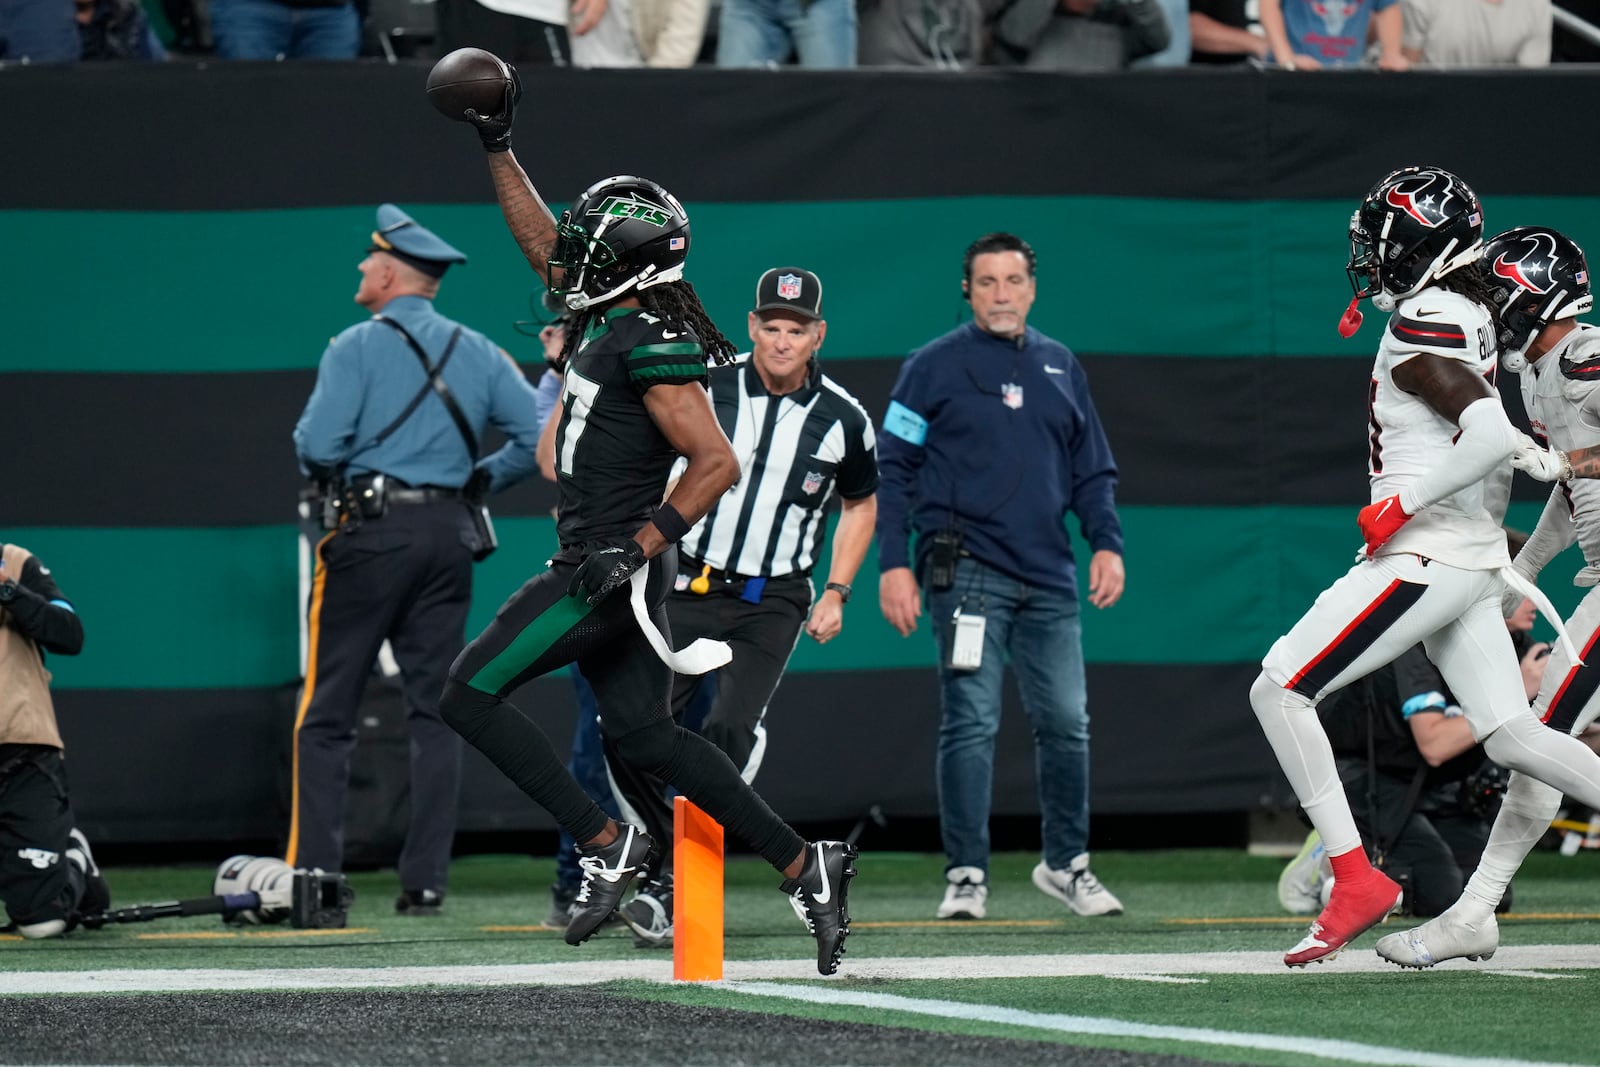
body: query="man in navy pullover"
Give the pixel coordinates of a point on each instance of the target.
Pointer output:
(990, 439)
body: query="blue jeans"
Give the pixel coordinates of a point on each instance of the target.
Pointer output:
(588, 766)
(763, 33)
(1038, 632)
(267, 29)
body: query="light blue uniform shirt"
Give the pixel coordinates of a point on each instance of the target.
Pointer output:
(369, 374)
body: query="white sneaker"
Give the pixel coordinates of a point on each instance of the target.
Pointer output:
(964, 897)
(1444, 937)
(1300, 886)
(1077, 888)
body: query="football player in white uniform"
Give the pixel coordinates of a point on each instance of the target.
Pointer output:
(1431, 570)
(1544, 284)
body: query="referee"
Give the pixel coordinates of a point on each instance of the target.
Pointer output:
(744, 570)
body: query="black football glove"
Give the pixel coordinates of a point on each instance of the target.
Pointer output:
(606, 568)
(495, 130)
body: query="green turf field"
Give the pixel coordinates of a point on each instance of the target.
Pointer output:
(1188, 974)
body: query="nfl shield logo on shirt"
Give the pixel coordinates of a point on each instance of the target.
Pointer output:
(812, 483)
(788, 287)
(1011, 395)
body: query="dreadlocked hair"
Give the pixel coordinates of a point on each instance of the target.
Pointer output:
(1472, 282)
(679, 302)
(577, 326)
(674, 301)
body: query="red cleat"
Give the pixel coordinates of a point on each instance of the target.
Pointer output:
(1351, 912)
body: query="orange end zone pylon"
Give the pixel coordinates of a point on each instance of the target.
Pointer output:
(696, 894)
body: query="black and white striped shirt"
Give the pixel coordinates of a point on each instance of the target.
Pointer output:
(794, 452)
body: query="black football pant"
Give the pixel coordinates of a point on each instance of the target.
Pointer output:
(540, 629)
(37, 881)
(405, 578)
(763, 636)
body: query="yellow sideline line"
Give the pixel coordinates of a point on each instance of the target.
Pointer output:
(224, 935)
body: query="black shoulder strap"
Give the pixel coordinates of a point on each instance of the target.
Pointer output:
(436, 382)
(383, 435)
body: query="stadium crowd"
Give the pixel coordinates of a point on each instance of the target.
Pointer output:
(1077, 35)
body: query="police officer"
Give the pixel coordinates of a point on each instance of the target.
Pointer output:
(48, 878)
(397, 446)
(745, 569)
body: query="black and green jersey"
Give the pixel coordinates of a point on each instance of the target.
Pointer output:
(612, 462)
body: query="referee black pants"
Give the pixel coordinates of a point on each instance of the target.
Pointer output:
(763, 636)
(405, 578)
(540, 629)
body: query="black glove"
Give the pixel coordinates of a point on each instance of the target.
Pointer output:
(495, 130)
(605, 568)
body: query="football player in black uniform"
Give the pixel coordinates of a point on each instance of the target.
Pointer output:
(634, 397)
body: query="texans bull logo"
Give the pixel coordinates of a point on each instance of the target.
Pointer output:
(1429, 196)
(1334, 13)
(1529, 264)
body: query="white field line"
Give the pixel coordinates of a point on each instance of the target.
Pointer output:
(1540, 958)
(1322, 1048)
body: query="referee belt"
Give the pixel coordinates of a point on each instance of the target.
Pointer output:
(694, 568)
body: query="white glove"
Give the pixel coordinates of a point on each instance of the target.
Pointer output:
(1544, 464)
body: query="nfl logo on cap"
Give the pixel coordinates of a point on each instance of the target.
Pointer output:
(789, 287)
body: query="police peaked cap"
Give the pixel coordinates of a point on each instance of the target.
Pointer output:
(409, 241)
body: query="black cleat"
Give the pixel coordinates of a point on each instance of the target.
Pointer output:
(649, 914)
(607, 873)
(420, 903)
(819, 898)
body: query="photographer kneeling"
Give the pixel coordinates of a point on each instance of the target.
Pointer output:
(48, 878)
(1422, 791)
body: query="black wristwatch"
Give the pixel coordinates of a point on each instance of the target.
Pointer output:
(8, 591)
(841, 588)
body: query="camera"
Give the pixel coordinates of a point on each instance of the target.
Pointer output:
(1482, 789)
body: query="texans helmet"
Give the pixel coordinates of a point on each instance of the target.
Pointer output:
(1541, 276)
(1415, 226)
(623, 233)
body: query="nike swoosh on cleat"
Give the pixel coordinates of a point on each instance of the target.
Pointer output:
(827, 890)
(668, 334)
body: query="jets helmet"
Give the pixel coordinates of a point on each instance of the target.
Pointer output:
(1415, 226)
(623, 233)
(1540, 276)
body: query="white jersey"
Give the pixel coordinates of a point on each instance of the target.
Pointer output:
(1562, 394)
(1406, 437)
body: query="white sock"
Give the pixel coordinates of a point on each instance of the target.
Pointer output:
(1525, 815)
(1295, 733)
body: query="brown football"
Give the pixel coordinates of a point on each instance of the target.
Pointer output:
(468, 78)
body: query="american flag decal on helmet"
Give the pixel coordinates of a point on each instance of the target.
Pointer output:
(675, 243)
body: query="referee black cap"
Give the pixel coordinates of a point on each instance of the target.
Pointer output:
(790, 289)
